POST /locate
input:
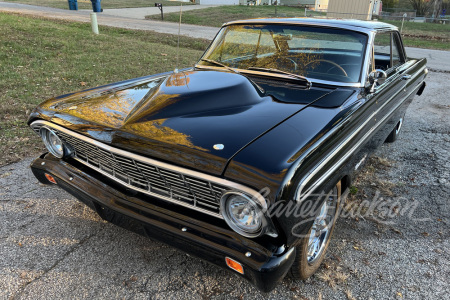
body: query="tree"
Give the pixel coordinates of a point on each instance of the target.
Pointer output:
(437, 8)
(422, 7)
(390, 3)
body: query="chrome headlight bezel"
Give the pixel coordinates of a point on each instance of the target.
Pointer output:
(58, 149)
(234, 223)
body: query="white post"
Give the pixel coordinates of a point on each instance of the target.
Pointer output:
(94, 23)
(403, 20)
(305, 11)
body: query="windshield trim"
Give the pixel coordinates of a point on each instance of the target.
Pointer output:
(279, 75)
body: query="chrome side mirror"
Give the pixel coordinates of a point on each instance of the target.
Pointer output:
(376, 78)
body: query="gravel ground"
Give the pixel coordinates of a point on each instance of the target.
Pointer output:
(52, 246)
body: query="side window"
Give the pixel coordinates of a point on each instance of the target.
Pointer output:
(382, 51)
(396, 49)
(387, 51)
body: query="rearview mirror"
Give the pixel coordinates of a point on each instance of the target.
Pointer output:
(282, 36)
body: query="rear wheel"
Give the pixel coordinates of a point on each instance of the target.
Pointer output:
(395, 132)
(311, 250)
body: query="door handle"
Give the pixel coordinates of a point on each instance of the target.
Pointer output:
(406, 77)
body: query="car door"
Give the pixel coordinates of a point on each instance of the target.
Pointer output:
(388, 56)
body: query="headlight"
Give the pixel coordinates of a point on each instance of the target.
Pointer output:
(53, 142)
(242, 214)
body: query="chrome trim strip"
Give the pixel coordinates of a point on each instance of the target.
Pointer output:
(150, 193)
(312, 23)
(255, 195)
(367, 60)
(298, 193)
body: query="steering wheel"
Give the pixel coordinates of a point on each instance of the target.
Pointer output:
(275, 62)
(290, 61)
(329, 62)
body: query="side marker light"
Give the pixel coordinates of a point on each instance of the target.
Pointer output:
(234, 265)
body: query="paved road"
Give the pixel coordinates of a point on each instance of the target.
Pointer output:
(114, 19)
(141, 12)
(133, 18)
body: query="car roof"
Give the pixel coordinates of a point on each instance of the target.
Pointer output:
(356, 25)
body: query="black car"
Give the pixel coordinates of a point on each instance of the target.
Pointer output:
(244, 159)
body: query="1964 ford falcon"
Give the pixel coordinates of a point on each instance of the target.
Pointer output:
(243, 159)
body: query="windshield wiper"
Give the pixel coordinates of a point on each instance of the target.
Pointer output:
(220, 65)
(308, 83)
(232, 70)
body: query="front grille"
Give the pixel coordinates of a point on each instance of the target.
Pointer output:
(195, 192)
(164, 183)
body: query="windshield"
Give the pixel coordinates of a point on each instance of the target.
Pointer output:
(313, 52)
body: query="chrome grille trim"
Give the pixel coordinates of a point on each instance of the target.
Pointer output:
(171, 183)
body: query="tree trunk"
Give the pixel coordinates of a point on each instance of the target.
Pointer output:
(437, 9)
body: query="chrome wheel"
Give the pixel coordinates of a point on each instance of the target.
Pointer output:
(314, 243)
(321, 228)
(399, 126)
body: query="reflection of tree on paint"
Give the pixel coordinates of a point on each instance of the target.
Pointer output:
(179, 79)
(156, 130)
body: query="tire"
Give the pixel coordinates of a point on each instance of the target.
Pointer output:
(392, 137)
(306, 264)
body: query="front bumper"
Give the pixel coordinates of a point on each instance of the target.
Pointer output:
(264, 268)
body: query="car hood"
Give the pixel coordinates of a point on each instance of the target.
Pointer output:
(196, 119)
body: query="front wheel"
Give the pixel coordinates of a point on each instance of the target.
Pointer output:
(311, 250)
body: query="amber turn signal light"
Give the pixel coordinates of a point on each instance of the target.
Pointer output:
(234, 265)
(50, 178)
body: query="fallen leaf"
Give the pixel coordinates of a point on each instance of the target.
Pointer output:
(425, 234)
(399, 295)
(5, 174)
(396, 230)
(83, 83)
(337, 258)
(163, 54)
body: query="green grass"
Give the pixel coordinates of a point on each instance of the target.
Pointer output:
(86, 4)
(216, 16)
(423, 29)
(425, 35)
(40, 59)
